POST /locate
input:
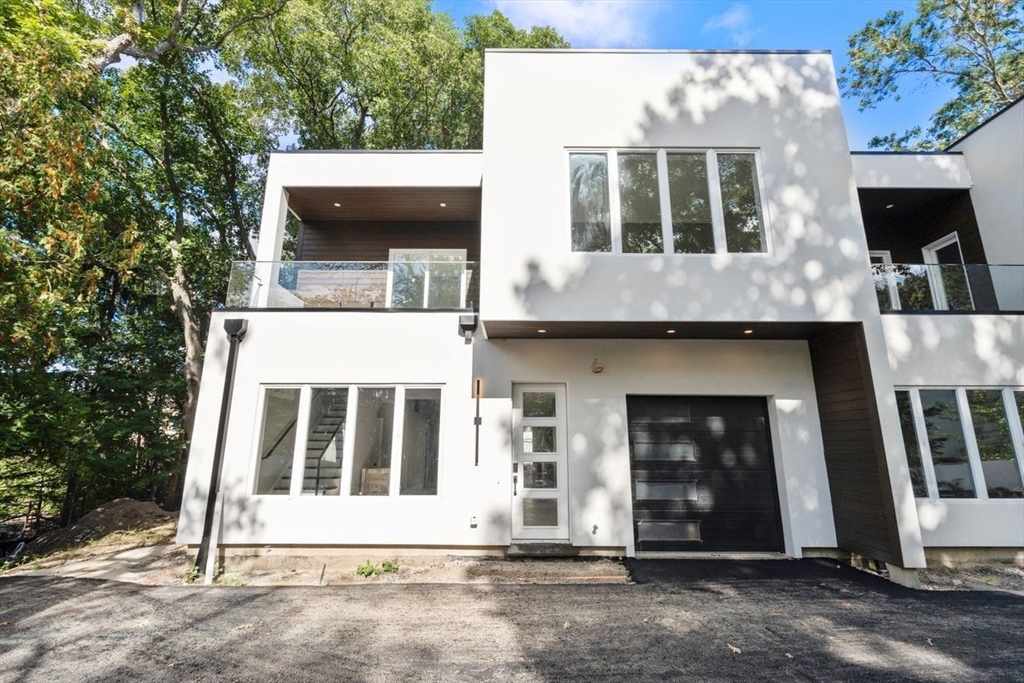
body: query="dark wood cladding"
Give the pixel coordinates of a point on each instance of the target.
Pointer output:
(372, 240)
(858, 475)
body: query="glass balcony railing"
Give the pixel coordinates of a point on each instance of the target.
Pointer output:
(406, 284)
(953, 287)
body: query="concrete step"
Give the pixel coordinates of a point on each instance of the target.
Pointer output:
(531, 549)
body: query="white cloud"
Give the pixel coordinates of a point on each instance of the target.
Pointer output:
(736, 21)
(587, 23)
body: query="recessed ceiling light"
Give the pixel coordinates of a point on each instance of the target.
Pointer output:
(670, 331)
(748, 332)
(442, 205)
(337, 204)
(889, 206)
(541, 331)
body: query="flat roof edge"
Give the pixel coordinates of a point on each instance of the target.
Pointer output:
(379, 151)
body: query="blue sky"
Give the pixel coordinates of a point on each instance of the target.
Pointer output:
(711, 24)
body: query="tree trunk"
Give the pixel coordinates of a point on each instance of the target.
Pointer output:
(192, 368)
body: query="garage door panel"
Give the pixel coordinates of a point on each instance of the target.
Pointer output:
(703, 474)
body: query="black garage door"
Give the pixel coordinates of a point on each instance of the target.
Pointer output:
(703, 474)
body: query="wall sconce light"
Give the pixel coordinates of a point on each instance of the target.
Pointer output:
(478, 391)
(467, 326)
(596, 367)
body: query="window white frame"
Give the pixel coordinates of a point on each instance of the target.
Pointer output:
(299, 457)
(970, 440)
(931, 258)
(714, 195)
(392, 253)
(890, 277)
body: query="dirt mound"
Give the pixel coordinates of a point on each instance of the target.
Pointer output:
(138, 518)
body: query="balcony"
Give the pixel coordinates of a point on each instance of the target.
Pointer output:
(408, 284)
(962, 288)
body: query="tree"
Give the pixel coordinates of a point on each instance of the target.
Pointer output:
(974, 46)
(398, 76)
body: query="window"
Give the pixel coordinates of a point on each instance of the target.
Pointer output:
(277, 441)
(971, 446)
(662, 201)
(357, 441)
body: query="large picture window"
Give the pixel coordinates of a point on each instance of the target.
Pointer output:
(354, 441)
(666, 202)
(963, 442)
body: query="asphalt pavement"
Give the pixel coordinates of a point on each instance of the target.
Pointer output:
(694, 620)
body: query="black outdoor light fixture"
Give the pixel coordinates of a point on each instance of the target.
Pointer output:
(468, 325)
(478, 390)
(235, 329)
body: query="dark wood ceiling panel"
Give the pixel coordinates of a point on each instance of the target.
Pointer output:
(317, 204)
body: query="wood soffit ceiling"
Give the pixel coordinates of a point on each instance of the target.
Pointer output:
(317, 204)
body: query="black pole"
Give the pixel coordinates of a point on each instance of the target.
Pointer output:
(235, 328)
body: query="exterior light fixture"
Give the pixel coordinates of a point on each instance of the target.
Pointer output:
(478, 391)
(337, 205)
(670, 331)
(442, 205)
(889, 206)
(748, 332)
(542, 331)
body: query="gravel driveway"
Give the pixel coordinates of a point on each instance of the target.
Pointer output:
(708, 620)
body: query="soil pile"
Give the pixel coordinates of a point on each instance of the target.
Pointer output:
(120, 522)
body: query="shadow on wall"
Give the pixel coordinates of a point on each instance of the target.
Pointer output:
(793, 96)
(241, 515)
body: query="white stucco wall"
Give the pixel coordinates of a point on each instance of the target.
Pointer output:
(341, 348)
(995, 156)
(599, 474)
(910, 171)
(961, 351)
(540, 104)
(955, 350)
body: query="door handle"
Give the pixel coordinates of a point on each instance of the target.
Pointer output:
(515, 481)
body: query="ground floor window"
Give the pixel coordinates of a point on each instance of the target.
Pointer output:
(353, 440)
(963, 442)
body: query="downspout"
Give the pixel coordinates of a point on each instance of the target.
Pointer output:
(235, 329)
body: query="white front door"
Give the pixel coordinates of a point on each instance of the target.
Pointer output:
(540, 500)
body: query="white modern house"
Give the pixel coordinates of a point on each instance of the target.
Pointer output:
(665, 309)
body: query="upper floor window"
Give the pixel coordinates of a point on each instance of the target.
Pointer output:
(665, 201)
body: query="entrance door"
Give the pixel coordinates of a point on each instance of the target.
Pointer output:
(540, 500)
(703, 474)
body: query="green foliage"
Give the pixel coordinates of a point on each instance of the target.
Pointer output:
(373, 74)
(389, 567)
(368, 569)
(974, 46)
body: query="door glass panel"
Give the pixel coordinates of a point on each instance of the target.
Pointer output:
(371, 457)
(408, 280)
(684, 451)
(741, 203)
(946, 440)
(325, 441)
(540, 475)
(447, 272)
(277, 441)
(691, 204)
(668, 531)
(588, 199)
(540, 512)
(640, 204)
(538, 404)
(420, 439)
(916, 465)
(666, 490)
(538, 439)
(992, 432)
